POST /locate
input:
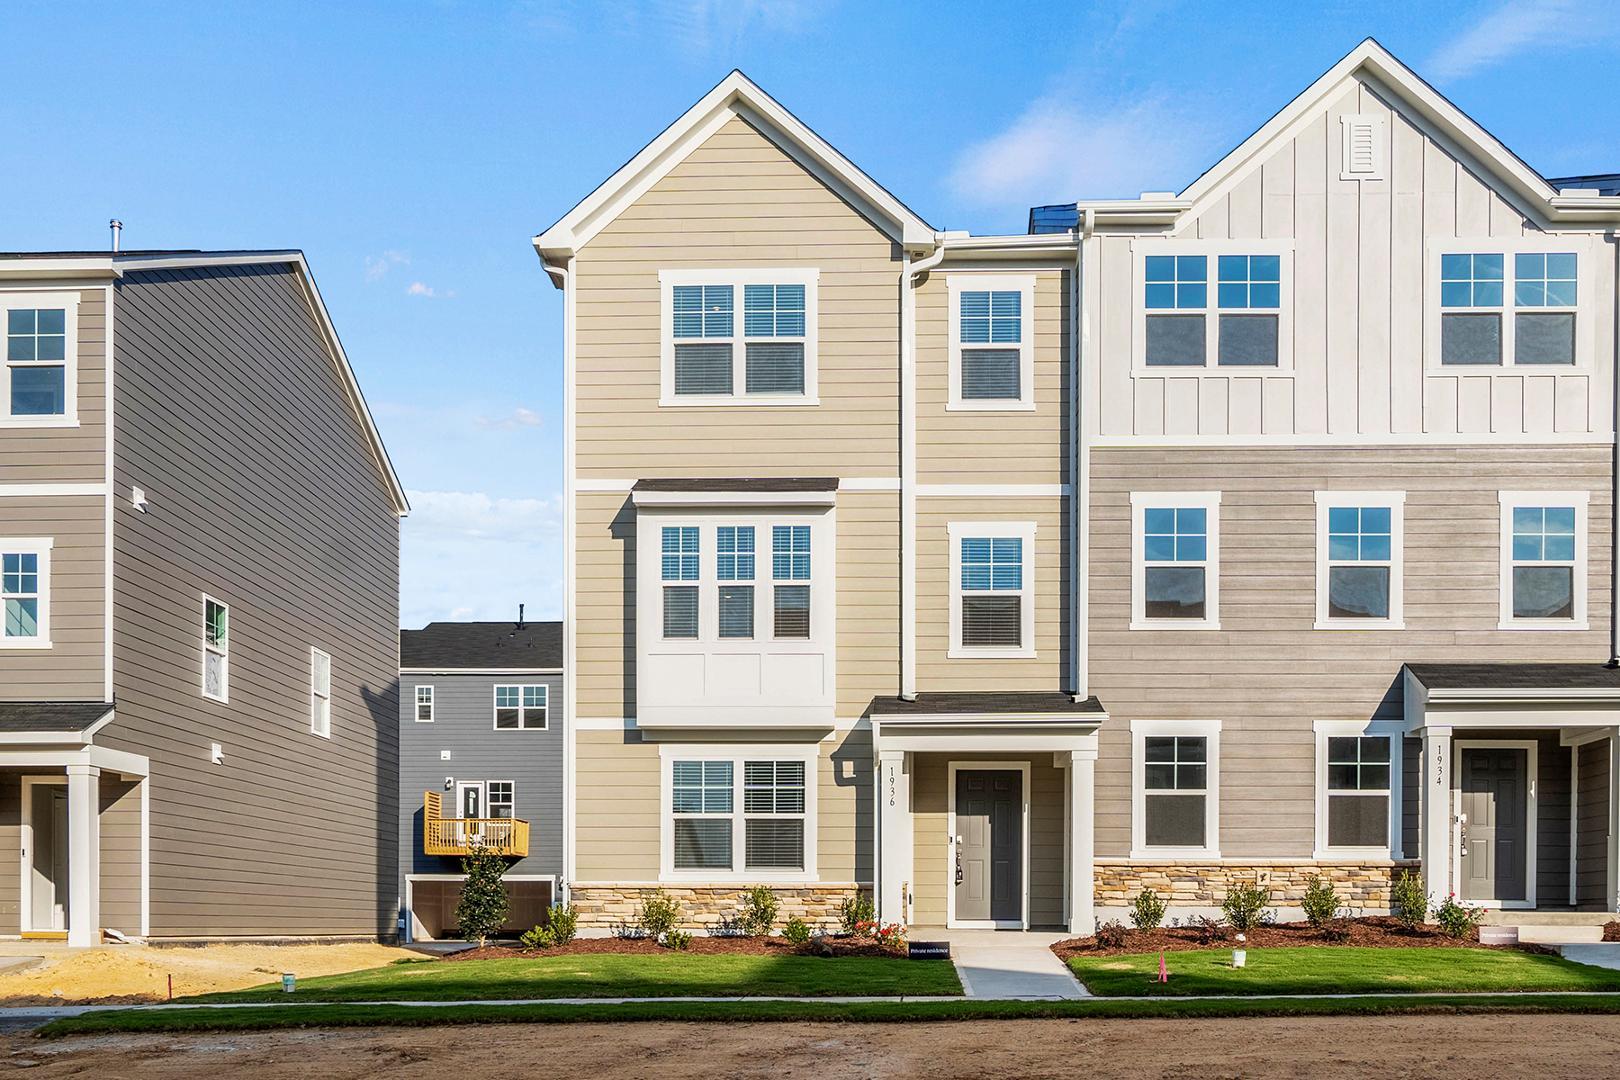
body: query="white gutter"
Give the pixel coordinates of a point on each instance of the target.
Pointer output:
(564, 280)
(908, 465)
(1614, 473)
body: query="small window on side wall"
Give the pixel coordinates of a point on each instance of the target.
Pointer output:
(25, 589)
(1544, 554)
(991, 351)
(1176, 560)
(216, 650)
(320, 693)
(424, 704)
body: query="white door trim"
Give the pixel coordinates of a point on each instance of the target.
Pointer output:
(25, 884)
(1530, 746)
(951, 920)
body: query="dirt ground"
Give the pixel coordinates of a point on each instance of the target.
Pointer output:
(131, 973)
(1547, 1047)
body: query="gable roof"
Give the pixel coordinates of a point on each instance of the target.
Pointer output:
(1439, 119)
(735, 95)
(488, 646)
(117, 263)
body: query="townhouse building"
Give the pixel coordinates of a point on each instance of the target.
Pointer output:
(199, 576)
(1251, 532)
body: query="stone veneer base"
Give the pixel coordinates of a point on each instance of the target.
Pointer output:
(1363, 885)
(706, 908)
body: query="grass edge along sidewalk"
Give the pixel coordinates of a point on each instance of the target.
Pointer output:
(267, 1018)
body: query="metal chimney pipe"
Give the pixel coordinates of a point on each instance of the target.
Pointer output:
(520, 617)
(117, 228)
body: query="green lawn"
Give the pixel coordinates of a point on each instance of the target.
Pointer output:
(621, 975)
(1310, 970)
(265, 1018)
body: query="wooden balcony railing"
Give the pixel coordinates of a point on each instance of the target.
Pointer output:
(458, 836)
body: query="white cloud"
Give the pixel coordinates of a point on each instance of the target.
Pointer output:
(722, 25)
(519, 417)
(420, 288)
(1519, 26)
(472, 555)
(377, 266)
(1061, 149)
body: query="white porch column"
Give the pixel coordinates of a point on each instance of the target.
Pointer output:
(1436, 809)
(1082, 846)
(84, 855)
(894, 837)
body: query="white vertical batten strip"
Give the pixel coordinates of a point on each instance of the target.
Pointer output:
(908, 464)
(107, 338)
(1080, 480)
(1614, 478)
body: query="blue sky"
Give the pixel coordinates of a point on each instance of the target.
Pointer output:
(413, 149)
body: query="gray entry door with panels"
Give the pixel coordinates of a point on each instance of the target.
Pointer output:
(1495, 802)
(989, 846)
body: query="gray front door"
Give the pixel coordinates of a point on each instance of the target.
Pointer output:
(989, 846)
(1495, 833)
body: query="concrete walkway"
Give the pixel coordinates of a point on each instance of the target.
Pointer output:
(1009, 965)
(1597, 954)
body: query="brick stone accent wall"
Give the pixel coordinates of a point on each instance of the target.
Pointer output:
(1359, 884)
(706, 907)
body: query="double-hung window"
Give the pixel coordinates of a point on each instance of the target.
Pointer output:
(25, 587)
(39, 359)
(748, 814)
(734, 570)
(320, 693)
(1544, 552)
(1359, 559)
(521, 708)
(993, 589)
(1358, 792)
(1249, 294)
(991, 344)
(680, 571)
(1175, 573)
(1176, 294)
(1176, 786)
(424, 704)
(790, 581)
(773, 815)
(1505, 307)
(739, 337)
(501, 799)
(1212, 311)
(216, 680)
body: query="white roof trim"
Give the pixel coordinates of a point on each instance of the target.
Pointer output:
(734, 498)
(736, 95)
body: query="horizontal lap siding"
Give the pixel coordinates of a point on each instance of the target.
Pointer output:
(72, 669)
(1592, 826)
(121, 854)
(68, 455)
(1266, 674)
(264, 494)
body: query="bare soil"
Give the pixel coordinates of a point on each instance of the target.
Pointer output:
(1377, 931)
(709, 946)
(1323, 1048)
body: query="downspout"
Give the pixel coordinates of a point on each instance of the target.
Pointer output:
(908, 465)
(1614, 471)
(1080, 474)
(564, 280)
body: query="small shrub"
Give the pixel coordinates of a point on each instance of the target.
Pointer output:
(541, 937)
(1111, 934)
(1147, 910)
(796, 931)
(1457, 920)
(562, 920)
(855, 910)
(482, 909)
(1407, 900)
(758, 917)
(660, 915)
(675, 939)
(1210, 931)
(1245, 907)
(1320, 902)
(1336, 932)
(889, 935)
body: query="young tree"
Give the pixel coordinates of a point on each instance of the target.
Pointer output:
(481, 911)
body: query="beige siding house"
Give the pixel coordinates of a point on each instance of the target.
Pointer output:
(1254, 532)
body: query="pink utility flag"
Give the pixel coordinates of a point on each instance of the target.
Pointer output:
(1164, 972)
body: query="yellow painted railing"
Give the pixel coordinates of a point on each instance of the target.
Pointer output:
(458, 836)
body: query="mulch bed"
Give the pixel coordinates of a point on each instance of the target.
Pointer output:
(707, 946)
(1611, 931)
(1378, 931)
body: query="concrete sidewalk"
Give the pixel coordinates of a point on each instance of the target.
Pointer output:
(1009, 965)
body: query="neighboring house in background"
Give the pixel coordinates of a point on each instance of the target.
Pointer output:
(199, 570)
(1302, 555)
(480, 760)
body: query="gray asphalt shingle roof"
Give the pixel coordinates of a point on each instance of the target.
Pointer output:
(1022, 703)
(20, 717)
(534, 646)
(1516, 676)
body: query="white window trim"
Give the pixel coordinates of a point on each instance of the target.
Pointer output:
(1396, 502)
(669, 753)
(1023, 284)
(1022, 530)
(1507, 501)
(1141, 731)
(69, 302)
(318, 697)
(1585, 313)
(429, 702)
(1213, 249)
(225, 654)
(40, 546)
(1141, 501)
(489, 806)
(1393, 730)
(523, 710)
(809, 277)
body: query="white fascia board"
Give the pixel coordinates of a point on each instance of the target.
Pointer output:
(734, 498)
(1519, 696)
(478, 671)
(736, 95)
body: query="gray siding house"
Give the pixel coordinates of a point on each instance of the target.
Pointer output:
(481, 740)
(199, 571)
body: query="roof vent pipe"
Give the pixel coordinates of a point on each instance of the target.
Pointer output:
(520, 617)
(117, 228)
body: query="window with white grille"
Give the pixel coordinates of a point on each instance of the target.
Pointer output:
(992, 589)
(739, 337)
(992, 341)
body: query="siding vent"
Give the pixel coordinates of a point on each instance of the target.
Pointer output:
(1363, 147)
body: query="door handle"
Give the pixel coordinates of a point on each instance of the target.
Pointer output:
(958, 860)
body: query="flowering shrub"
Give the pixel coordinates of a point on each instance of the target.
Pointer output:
(889, 935)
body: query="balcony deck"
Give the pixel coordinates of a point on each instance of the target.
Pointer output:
(461, 836)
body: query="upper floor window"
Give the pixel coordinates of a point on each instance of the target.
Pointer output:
(993, 595)
(38, 383)
(1229, 315)
(320, 693)
(25, 584)
(790, 573)
(1544, 552)
(1359, 560)
(424, 704)
(1175, 572)
(680, 564)
(739, 337)
(216, 649)
(991, 343)
(1508, 307)
(734, 570)
(519, 708)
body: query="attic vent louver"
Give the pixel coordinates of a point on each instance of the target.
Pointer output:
(1363, 147)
